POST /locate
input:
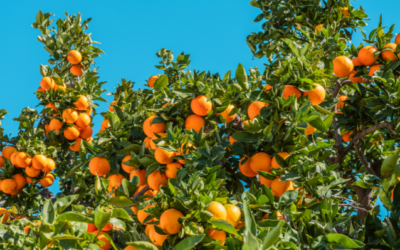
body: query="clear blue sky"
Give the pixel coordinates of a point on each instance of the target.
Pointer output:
(131, 32)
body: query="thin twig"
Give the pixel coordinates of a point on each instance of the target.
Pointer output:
(353, 206)
(347, 199)
(146, 188)
(364, 159)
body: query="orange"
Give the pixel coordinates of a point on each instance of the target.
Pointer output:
(148, 229)
(245, 168)
(255, 108)
(63, 88)
(105, 123)
(265, 181)
(346, 136)
(29, 180)
(233, 214)
(217, 235)
(26, 229)
(142, 215)
(89, 110)
(141, 173)
(20, 181)
(357, 79)
(340, 103)
(194, 122)
(2, 162)
(279, 187)
(245, 122)
(91, 228)
(76, 70)
(53, 107)
(316, 95)
(70, 116)
(114, 182)
(231, 140)
(267, 88)
(388, 54)
(39, 161)
(82, 103)
(397, 39)
(274, 163)
(342, 66)
(345, 12)
(169, 221)
(47, 180)
(113, 103)
(373, 69)
(149, 129)
(7, 151)
(163, 156)
(13, 159)
(157, 179)
(366, 55)
(130, 248)
(356, 62)
(32, 172)
(3, 211)
(71, 133)
(217, 210)
(55, 125)
(74, 57)
(153, 145)
(86, 133)
(146, 142)
(319, 28)
(83, 120)
(23, 160)
(181, 151)
(310, 130)
(89, 140)
(77, 146)
(101, 237)
(260, 162)
(172, 170)
(8, 186)
(99, 166)
(155, 238)
(201, 105)
(278, 215)
(127, 168)
(47, 83)
(152, 80)
(289, 91)
(134, 209)
(225, 114)
(50, 165)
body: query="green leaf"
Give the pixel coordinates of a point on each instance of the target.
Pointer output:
(385, 200)
(75, 217)
(224, 225)
(241, 77)
(121, 202)
(249, 238)
(188, 243)
(101, 218)
(115, 122)
(49, 214)
(161, 83)
(142, 245)
(243, 136)
(344, 241)
(61, 204)
(120, 213)
(288, 198)
(273, 236)
(322, 110)
(292, 46)
(319, 124)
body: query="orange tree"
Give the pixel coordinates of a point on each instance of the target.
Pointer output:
(294, 157)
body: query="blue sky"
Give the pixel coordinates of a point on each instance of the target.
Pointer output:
(131, 32)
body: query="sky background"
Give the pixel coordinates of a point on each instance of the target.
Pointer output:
(131, 32)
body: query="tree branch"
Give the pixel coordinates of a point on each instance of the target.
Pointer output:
(343, 198)
(364, 159)
(353, 206)
(146, 188)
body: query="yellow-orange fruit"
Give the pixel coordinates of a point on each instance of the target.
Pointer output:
(233, 214)
(8, 186)
(148, 229)
(152, 80)
(260, 162)
(76, 70)
(346, 136)
(13, 159)
(142, 215)
(232, 140)
(50, 166)
(91, 228)
(47, 83)
(55, 125)
(115, 181)
(61, 87)
(342, 66)
(310, 130)
(23, 160)
(217, 210)
(29, 180)
(134, 209)
(7, 151)
(2, 162)
(366, 55)
(194, 122)
(99, 166)
(397, 39)
(267, 88)
(130, 248)
(149, 129)
(155, 238)
(279, 187)
(345, 12)
(319, 28)
(172, 170)
(373, 69)
(316, 95)
(47, 180)
(356, 62)
(289, 91)
(225, 114)
(340, 103)
(153, 145)
(163, 156)
(255, 108)
(20, 181)
(115, 104)
(217, 235)
(53, 107)
(274, 163)
(32, 172)
(146, 142)
(101, 237)
(245, 168)
(357, 79)
(77, 146)
(169, 221)
(70, 116)
(265, 181)
(83, 120)
(89, 111)
(86, 133)
(388, 54)
(127, 168)
(39, 161)
(201, 105)
(3, 211)
(141, 173)
(82, 103)
(157, 179)
(71, 133)
(74, 57)
(105, 123)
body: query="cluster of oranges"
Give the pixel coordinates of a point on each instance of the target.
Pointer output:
(74, 57)
(32, 167)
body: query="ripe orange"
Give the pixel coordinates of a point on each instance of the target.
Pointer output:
(29, 180)
(319, 28)
(20, 181)
(70, 116)
(225, 114)
(194, 122)
(155, 238)
(83, 120)
(374, 68)
(114, 182)
(279, 187)
(345, 12)
(77, 146)
(397, 39)
(169, 221)
(366, 55)
(23, 160)
(388, 54)
(255, 108)
(260, 162)
(356, 62)
(146, 142)
(340, 103)
(127, 168)
(265, 181)
(2, 162)
(201, 105)
(316, 95)
(152, 80)
(50, 166)
(55, 125)
(217, 210)
(148, 229)
(289, 91)
(99, 166)
(86, 133)
(8, 186)
(163, 156)
(74, 57)
(47, 180)
(53, 107)
(310, 130)
(153, 145)
(76, 70)
(101, 237)
(342, 66)
(149, 129)
(130, 248)
(113, 103)
(91, 228)
(62, 87)
(32, 172)
(357, 79)
(89, 110)
(141, 173)
(274, 163)
(134, 209)
(142, 215)
(82, 103)
(245, 168)
(71, 133)
(233, 214)
(7, 151)
(267, 88)
(105, 123)
(232, 140)
(47, 83)
(346, 136)
(3, 211)
(157, 179)
(217, 235)
(172, 170)
(13, 159)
